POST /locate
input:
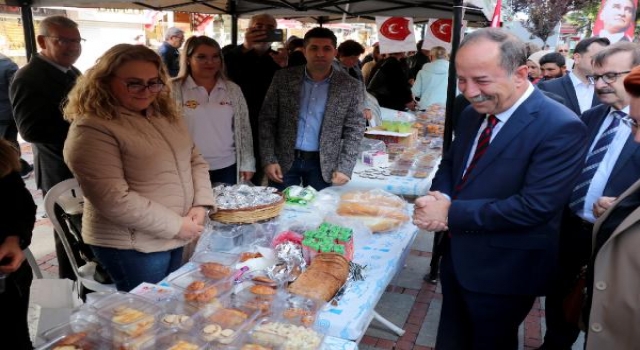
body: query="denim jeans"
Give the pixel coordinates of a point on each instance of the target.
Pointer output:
(302, 173)
(129, 268)
(228, 175)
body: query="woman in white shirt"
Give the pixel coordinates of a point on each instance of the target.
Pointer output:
(215, 111)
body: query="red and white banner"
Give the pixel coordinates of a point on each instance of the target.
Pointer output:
(440, 33)
(395, 34)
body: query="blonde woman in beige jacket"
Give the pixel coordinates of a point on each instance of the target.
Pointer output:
(145, 183)
(215, 112)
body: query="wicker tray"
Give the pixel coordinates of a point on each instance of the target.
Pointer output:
(249, 215)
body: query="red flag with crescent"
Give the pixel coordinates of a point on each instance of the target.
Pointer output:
(495, 20)
(395, 34)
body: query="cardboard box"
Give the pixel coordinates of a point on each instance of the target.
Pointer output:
(375, 158)
(405, 139)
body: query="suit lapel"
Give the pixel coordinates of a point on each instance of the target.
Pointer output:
(630, 147)
(333, 101)
(567, 84)
(293, 93)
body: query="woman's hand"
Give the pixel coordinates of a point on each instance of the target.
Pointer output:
(189, 229)
(197, 214)
(11, 253)
(246, 175)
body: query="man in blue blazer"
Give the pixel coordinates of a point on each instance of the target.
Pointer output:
(499, 191)
(618, 170)
(574, 87)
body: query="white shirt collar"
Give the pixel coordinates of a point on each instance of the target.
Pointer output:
(575, 80)
(46, 59)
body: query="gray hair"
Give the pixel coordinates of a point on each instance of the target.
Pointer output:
(58, 21)
(513, 51)
(622, 46)
(173, 31)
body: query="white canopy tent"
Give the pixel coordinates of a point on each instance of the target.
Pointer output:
(302, 10)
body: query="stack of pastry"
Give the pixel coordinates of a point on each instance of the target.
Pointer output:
(327, 273)
(377, 209)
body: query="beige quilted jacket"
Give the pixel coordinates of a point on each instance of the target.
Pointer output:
(139, 177)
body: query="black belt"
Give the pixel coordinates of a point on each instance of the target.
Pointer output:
(305, 155)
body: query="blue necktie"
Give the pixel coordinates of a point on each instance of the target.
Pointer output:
(594, 158)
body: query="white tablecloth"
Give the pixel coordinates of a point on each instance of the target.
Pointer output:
(384, 255)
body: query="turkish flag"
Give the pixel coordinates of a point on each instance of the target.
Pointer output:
(395, 34)
(439, 33)
(495, 20)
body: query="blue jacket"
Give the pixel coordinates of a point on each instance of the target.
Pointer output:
(504, 223)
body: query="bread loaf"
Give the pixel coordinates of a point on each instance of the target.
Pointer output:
(355, 208)
(377, 197)
(327, 273)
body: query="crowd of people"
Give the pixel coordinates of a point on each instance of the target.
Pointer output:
(538, 188)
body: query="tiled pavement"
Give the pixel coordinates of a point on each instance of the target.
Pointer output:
(408, 301)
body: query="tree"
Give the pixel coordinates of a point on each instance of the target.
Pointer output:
(584, 18)
(544, 15)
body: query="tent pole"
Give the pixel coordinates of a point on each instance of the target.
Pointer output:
(451, 87)
(28, 29)
(234, 22)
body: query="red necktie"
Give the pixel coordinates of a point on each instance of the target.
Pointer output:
(481, 149)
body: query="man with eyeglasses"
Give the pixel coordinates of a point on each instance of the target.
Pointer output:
(37, 92)
(169, 50)
(618, 20)
(612, 165)
(574, 87)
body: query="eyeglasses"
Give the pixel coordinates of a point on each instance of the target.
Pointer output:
(562, 50)
(67, 41)
(136, 87)
(630, 122)
(608, 78)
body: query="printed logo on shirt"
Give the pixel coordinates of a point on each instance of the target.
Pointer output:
(226, 103)
(193, 104)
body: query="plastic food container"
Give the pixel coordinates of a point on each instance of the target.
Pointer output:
(299, 310)
(399, 170)
(278, 333)
(170, 340)
(199, 290)
(259, 296)
(208, 256)
(177, 314)
(77, 333)
(223, 325)
(128, 315)
(422, 172)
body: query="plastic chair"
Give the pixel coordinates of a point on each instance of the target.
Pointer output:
(68, 195)
(33, 263)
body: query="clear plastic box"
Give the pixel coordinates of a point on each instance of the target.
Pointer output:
(274, 332)
(223, 325)
(259, 296)
(177, 314)
(209, 256)
(128, 315)
(171, 340)
(199, 290)
(78, 333)
(300, 310)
